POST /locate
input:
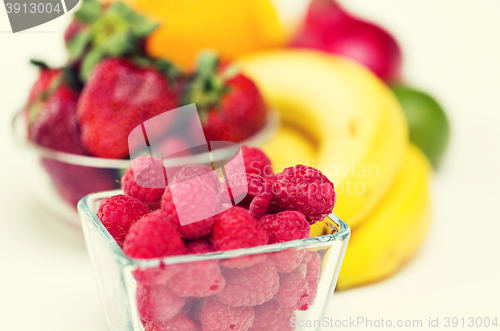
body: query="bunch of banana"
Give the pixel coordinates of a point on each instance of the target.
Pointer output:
(358, 136)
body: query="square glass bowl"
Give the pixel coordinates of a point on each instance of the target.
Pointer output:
(138, 294)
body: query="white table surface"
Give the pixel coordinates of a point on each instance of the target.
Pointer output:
(451, 48)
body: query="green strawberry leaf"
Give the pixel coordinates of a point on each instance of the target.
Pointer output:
(207, 63)
(206, 87)
(139, 26)
(78, 44)
(88, 12)
(115, 31)
(169, 70)
(89, 62)
(39, 63)
(118, 44)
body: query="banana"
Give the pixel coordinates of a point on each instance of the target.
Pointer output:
(357, 125)
(395, 230)
(286, 139)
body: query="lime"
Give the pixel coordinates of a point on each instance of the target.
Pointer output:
(429, 126)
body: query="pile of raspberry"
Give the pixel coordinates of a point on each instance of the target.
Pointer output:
(259, 292)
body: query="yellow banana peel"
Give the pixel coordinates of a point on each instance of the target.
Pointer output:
(288, 147)
(355, 121)
(394, 230)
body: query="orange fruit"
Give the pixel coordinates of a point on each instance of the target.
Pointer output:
(231, 27)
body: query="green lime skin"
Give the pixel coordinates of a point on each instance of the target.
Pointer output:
(429, 126)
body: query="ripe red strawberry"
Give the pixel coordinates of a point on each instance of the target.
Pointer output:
(52, 123)
(51, 112)
(230, 104)
(120, 95)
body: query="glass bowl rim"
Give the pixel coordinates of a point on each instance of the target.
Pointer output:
(87, 215)
(19, 133)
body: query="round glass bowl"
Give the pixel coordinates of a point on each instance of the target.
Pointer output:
(138, 293)
(60, 179)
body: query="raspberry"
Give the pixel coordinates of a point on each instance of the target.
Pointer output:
(299, 288)
(156, 303)
(271, 179)
(244, 261)
(285, 226)
(156, 275)
(197, 309)
(152, 237)
(236, 228)
(216, 316)
(194, 200)
(305, 189)
(271, 316)
(199, 246)
(294, 291)
(287, 260)
(274, 208)
(118, 213)
(179, 323)
(258, 193)
(189, 305)
(197, 171)
(255, 162)
(198, 279)
(149, 181)
(313, 273)
(250, 286)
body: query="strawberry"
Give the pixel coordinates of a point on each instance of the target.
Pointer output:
(100, 31)
(52, 123)
(51, 111)
(230, 105)
(119, 96)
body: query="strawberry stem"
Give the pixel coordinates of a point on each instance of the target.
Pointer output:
(110, 31)
(208, 84)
